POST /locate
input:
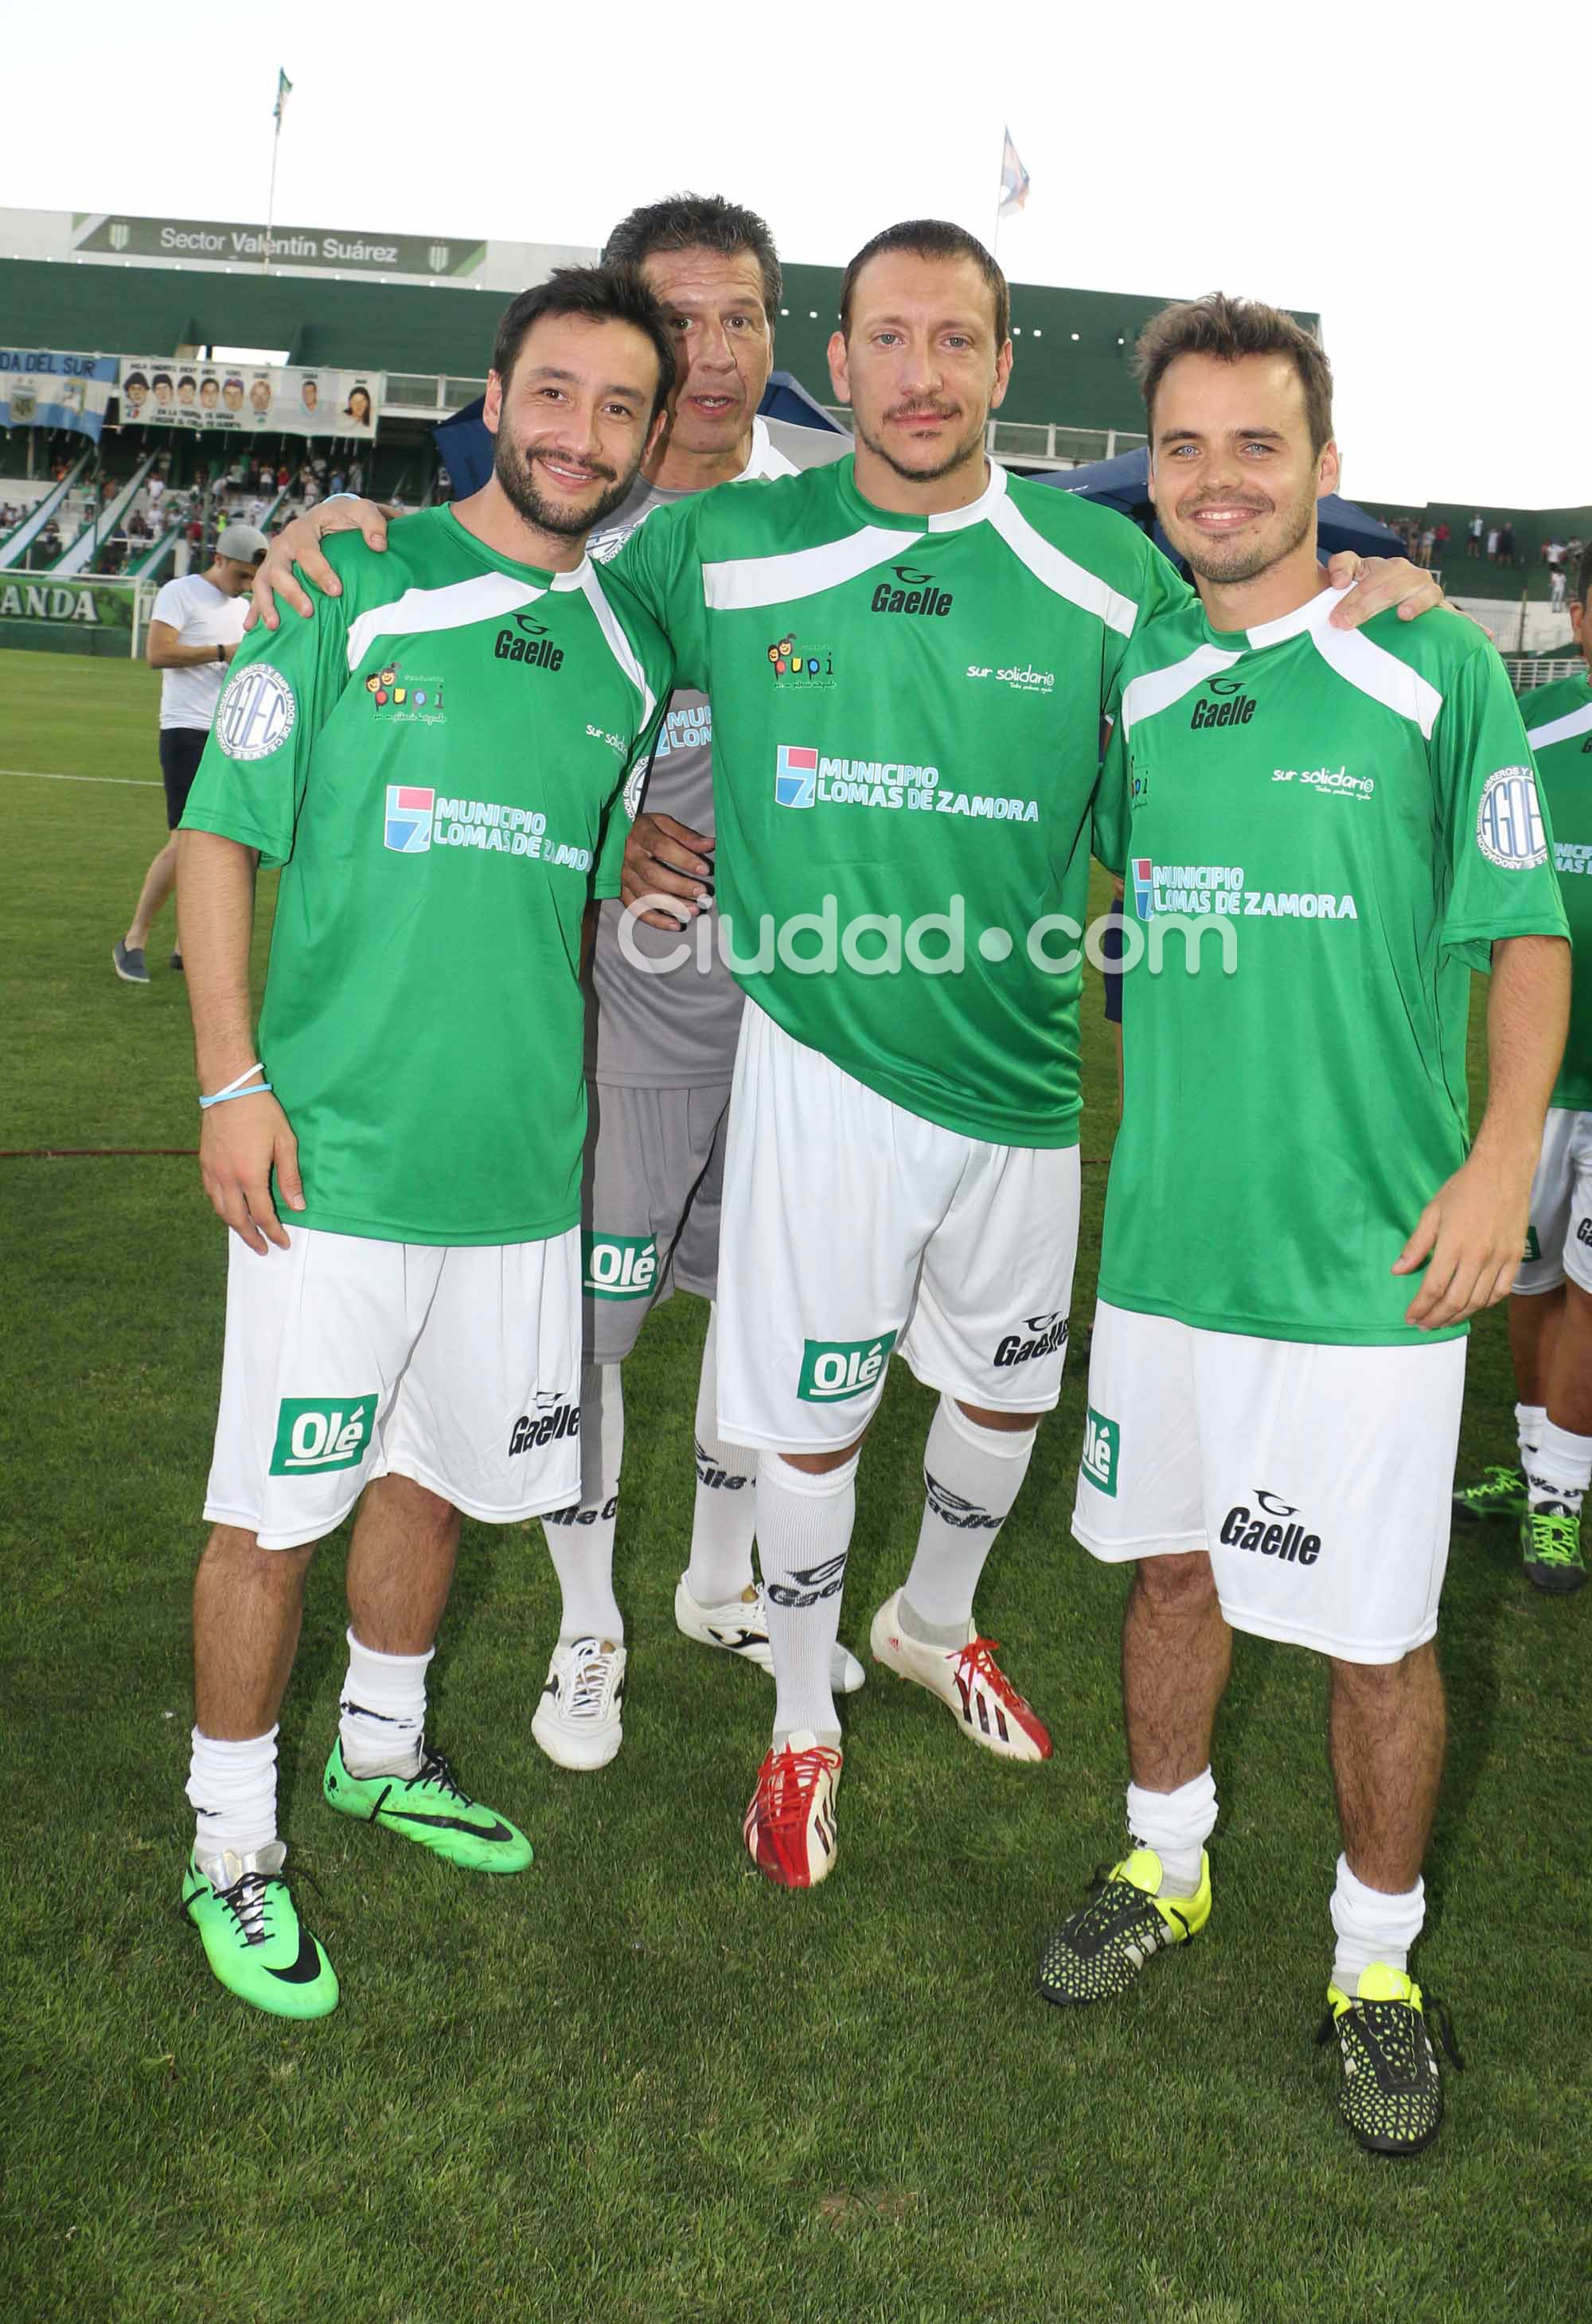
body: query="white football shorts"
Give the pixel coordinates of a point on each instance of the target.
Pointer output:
(1318, 1477)
(346, 1359)
(1562, 1207)
(852, 1229)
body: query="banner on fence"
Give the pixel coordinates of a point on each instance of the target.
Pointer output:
(41, 389)
(250, 399)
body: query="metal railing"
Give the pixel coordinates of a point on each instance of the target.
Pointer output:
(1532, 670)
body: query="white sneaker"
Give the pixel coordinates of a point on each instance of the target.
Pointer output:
(789, 1828)
(740, 1627)
(577, 1721)
(967, 1680)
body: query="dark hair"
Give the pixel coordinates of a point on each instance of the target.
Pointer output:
(931, 239)
(698, 222)
(602, 294)
(163, 376)
(136, 379)
(1229, 329)
(1584, 578)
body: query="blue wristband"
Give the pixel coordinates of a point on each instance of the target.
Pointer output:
(256, 1089)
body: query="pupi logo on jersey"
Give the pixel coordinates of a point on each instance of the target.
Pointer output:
(799, 670)
(388, 687)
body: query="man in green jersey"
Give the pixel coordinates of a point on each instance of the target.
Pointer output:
(1321, 835)
(1550, 1312)
(433, 764)
(908, 655)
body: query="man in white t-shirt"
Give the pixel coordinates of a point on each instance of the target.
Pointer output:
(193, 634)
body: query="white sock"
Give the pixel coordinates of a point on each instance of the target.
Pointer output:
(725, 1514)
(580, 1539)
(971, 1477)
(1530, 1421)
(1372, 1926)
(1560, 1469)
(232, 1789)
(384, 1711)
(803, 1531)
(1176, 1825)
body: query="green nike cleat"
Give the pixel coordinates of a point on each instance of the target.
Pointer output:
(1498, 1492)
(1098, 1950)
(431, 1810)
(1391, 2093)
(1550, 1543)
(252, 1937)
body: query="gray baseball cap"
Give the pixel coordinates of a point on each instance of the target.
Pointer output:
(244, 542)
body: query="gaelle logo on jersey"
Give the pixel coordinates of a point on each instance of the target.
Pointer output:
(1041, 1335)
(1268, 1530)
(802, 672)
(383, 687)
(1234, 707)
(911, 591)
(531, 645)
(1509, 821)
(552, 1415)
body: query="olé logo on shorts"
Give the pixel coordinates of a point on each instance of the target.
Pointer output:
(618, 1267)
(833, 1369)
(321, 1432)
(1102, 1448)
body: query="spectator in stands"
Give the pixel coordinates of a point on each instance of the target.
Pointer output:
(336, 486)
(1427, 543)
(284, 477)
(193, 633)
(1474, 531)
(1506, 544)
(355, 476)
(1443, 537)
(157, 493)
(1491, 544)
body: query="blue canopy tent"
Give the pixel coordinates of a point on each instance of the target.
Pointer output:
(465, 448)
(1124, 484)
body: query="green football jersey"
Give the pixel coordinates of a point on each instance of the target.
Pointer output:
(1335, 825)
(432, 761)
(906, 746)
(1558, 728)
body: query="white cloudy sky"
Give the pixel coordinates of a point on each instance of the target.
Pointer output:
(1417, 173)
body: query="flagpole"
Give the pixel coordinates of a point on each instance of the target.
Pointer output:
(271, 197)
(995, 247)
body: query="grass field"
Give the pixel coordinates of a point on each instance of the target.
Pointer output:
(640, 2084)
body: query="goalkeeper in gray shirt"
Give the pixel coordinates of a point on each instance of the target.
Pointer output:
(660, 1047)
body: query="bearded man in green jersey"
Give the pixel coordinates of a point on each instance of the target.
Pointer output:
(434, 763)
(1551, 1310)
(1272, 1418)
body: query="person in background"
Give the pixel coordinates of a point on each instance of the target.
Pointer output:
(193, 633)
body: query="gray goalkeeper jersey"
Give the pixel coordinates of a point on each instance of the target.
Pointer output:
(677, 1030)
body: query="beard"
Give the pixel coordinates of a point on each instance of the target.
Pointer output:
(1229, 561)
(970, 444)
(516, 472)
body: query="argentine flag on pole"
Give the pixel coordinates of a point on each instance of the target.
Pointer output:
(284, 89)
(1014, 180)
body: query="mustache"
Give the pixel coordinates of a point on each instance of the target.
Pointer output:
(530, 455)
(924, 412)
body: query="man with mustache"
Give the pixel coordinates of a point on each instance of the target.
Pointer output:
(1272, 1416)
(416, 1104)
